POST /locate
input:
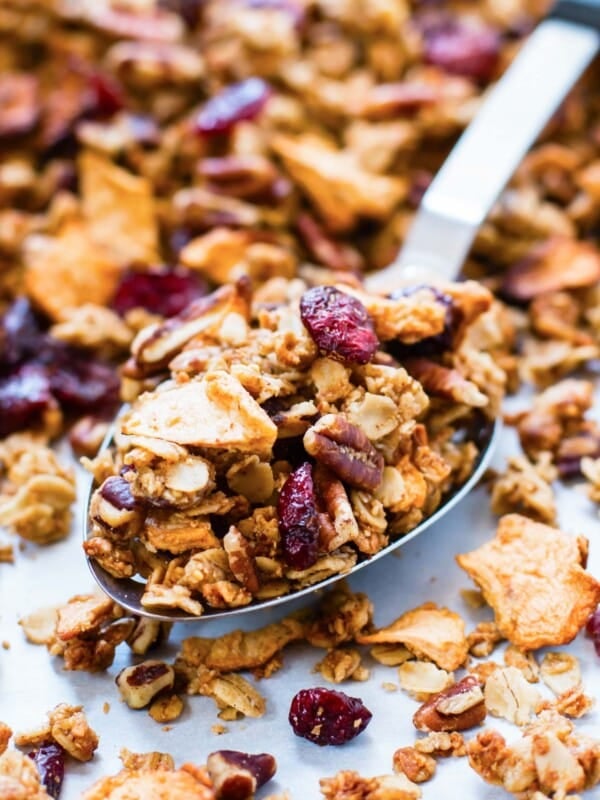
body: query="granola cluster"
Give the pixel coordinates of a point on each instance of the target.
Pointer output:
(272, 454)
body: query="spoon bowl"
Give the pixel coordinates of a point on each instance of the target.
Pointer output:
(127, 592)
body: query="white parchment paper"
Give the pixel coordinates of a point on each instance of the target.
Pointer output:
(31, 682)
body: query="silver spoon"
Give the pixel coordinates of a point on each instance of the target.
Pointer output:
(452, 209)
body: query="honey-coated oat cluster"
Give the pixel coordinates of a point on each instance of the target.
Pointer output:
(191, 192)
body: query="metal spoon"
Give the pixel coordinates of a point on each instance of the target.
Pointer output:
(451, 211)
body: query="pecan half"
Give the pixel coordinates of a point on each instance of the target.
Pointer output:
(346, 450)
(457, 708)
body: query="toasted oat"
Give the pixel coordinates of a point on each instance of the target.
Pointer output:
(534, 609)
(422, 679)
(392, 655)
(508, 694)
(428, 631)
(560, 671)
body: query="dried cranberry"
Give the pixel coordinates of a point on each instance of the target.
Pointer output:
(164, 292)
(339, 324)
(105, 94)
(49, 759)
(462, 48)
(324, 716)
(298, 520)
(82, 384)
(117, 492)
(24, 395)
(238, 102)
(592, 629)
(19, 332)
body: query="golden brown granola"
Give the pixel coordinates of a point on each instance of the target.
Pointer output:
(68, 727)
(19, 778)
(5, 735)
(350, 784)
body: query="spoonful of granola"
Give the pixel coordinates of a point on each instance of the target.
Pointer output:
(280, 439)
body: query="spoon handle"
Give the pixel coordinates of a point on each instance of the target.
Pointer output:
(486, 155)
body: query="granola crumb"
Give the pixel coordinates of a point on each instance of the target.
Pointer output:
(105, 707)
(6, 644)
(218, 729)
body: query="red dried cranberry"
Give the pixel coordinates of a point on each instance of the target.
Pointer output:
(49, 759)
(324, 716)
(238, 102)
(82, 384)
(339, 324)
(105, 94)
(117, 492)
(164, 292)
(463, 48)
(298, 520)
(592, 629)
(19, 332)
(24, 395)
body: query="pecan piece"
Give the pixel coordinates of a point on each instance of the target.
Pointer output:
(346, 450)
(457, 708)
(236, 775)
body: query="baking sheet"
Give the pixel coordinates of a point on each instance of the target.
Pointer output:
(31, 682)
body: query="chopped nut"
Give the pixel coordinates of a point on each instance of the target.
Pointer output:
(146, 761)
(139, 684)
(417, 766)
(456, 708)
(236, 774)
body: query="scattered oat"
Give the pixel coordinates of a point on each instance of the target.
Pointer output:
(421, 679)
(508, 694)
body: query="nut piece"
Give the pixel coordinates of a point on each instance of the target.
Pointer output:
(442, 743)
(39, 626)
(417, 766)
(455, 709)
(146, 761)
(237, 775)
(346, 450)
(139, 684)
(166, 708)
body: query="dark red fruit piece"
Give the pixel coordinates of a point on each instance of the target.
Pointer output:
(82, 384)
(49, 759)
(324, 716)
(463, 49)
(19, 332)
(164, 292)
(117, 491)
(298, 520)
(339, 324)
(592, 629)
(24, 395)
(238, 102)
(105, 94)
